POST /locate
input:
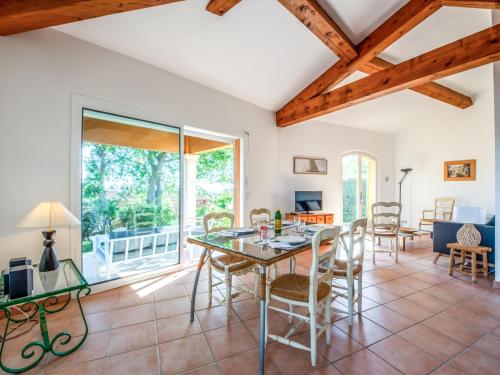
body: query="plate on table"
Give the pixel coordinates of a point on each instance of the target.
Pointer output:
(242, 230)
(292, 240)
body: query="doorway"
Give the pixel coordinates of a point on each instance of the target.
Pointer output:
(359, 185)
(212, 181)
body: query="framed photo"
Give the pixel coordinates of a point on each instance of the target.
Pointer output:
(460, 170)
(310, 166)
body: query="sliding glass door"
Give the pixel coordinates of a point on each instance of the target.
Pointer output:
(130, 202)
(359, 183)
(212, 175)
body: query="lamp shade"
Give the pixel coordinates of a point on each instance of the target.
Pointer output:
(48, 215)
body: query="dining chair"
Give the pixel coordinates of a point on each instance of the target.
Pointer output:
(386, 220)
(262, 216)
(349, 267)
(226, 264)
(312, 292)
(259, 216)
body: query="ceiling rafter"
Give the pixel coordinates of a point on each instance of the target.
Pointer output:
(402, 21)
(486, 4)
(315, 18)
(20, 16)
(466, 53)
(431, 89)
(221, 7)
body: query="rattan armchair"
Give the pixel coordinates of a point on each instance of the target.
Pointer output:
(443, 211)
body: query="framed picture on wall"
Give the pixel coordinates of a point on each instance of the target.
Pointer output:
(302, 165)
(460, 170)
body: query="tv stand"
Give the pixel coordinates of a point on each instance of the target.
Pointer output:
(312, 217)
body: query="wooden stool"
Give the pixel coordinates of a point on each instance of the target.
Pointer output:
(465, 252)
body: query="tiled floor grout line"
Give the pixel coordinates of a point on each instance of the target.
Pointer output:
(449, 360)
(328, 363)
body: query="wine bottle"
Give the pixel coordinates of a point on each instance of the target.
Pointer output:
(277, 222)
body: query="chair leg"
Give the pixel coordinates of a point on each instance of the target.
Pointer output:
(229, 287)
(290, 317)
(396, 240)
(373, 248)
(312, 313)
(293, 262)
(350, 298)
(328, 318)
(360, 293)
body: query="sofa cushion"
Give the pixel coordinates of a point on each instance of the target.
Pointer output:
(491, 222)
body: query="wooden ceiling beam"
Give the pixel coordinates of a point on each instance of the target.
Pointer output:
(18, 16)
(314, 17)
(402, 21)
(431, 89)
(221, 7)
(467, 53)
(486, 4)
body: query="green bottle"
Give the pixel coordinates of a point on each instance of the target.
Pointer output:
(277, 222)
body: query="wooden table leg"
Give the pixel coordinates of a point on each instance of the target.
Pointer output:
(474, 267)
(452, 262)
(462, 260)
(262, 334)
(485, 264)
(201, 262)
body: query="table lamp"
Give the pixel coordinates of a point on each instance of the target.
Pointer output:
(48, 215)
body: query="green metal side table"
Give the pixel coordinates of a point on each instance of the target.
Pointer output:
(48, 287)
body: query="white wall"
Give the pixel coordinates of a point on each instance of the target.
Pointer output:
(453, 134)
(317, 139)
(40, 70)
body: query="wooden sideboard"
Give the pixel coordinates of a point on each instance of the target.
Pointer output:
(316, 218)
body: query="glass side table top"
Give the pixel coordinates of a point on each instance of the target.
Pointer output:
(46, 284)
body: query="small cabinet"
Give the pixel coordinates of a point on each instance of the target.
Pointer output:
(316, 218)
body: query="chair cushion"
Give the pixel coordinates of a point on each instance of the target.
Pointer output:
(296, 287)
(235, 264)
(340, 268)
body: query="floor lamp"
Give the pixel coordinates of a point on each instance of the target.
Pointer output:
(405, 171)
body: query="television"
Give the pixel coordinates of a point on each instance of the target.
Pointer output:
(306, 201)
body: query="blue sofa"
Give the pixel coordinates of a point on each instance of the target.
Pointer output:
(446, 232)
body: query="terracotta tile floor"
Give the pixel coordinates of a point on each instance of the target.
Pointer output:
(416, 320)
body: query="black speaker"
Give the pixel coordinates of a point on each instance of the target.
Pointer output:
(19, 280)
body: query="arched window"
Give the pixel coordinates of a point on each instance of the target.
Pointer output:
(359, 185)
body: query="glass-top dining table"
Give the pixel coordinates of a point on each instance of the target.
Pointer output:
(249, 247)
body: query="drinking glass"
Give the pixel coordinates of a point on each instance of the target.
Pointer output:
(264, 234)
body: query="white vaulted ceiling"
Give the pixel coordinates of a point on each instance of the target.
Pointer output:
(261, 53)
